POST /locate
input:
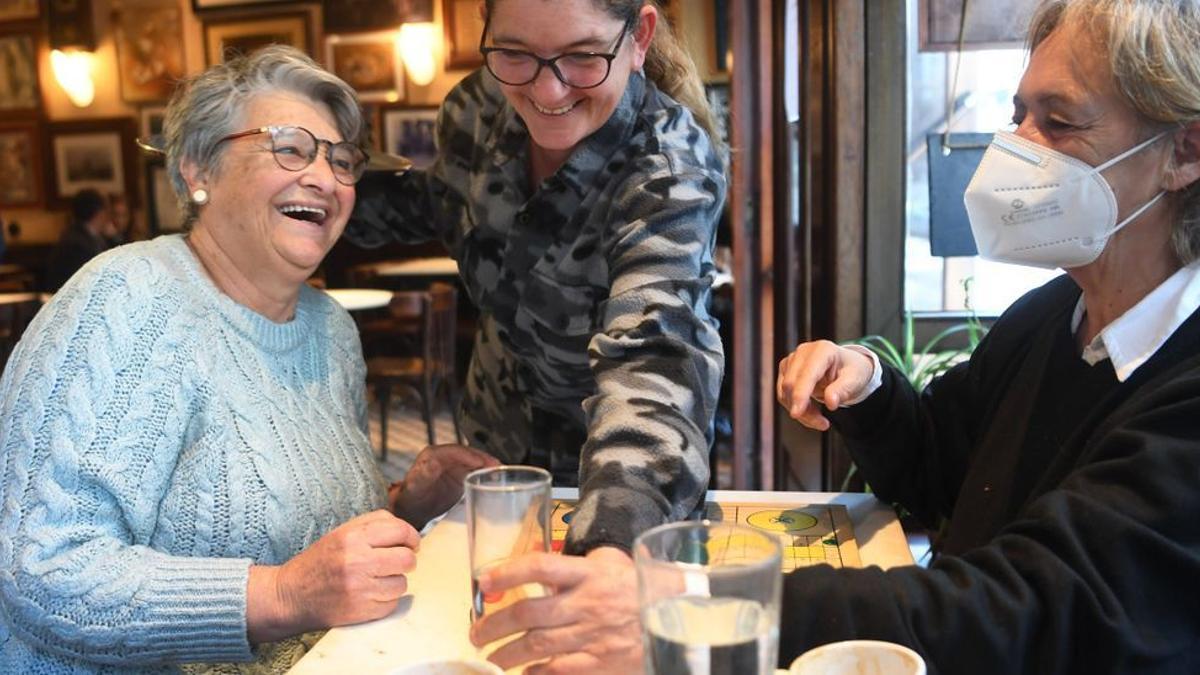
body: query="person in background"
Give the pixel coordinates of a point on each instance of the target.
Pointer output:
(1063, 456)
(185, 471)
(86, 236)
(122, 220)
(578, 185)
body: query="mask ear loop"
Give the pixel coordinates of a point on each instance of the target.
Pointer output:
(1141, 209)
(1135, 149)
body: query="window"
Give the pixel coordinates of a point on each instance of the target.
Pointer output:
(983, 103)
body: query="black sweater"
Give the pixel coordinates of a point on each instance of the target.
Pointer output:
(1080, 559)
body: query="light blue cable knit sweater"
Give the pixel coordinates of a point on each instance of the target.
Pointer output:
(156, 438)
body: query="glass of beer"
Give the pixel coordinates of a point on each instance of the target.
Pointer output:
(709, 598)
(508, 514)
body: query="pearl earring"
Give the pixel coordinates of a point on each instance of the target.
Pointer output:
(199, 196)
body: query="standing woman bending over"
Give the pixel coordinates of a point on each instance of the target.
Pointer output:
(578, 186)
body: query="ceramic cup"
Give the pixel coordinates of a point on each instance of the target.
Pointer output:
(859, 657)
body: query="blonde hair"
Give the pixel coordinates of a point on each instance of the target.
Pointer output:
(667, 65)
(1152, 51)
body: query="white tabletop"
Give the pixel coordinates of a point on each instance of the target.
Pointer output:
(432, 620)
(354, 299)
(414, 267)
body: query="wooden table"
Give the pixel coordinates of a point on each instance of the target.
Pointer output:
(355, 299)
(432, 620)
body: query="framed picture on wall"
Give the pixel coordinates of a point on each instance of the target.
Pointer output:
(19, 10)
(463, 27)
(410, 131)
(241, 35)
(369, 62)
(151, 121)
(149, 37)
(988, 25)
(357, 16)
(201, 5)
(18, 75)
(94, 153)
(21, 179)
(164, 211)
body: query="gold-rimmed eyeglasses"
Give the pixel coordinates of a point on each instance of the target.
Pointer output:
(294, 148)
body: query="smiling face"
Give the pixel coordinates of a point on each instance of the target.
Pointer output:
(275, 224)
(558, 116)
(1068, 101)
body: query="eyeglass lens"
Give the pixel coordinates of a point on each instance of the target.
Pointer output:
(517, 67)
(296, 147)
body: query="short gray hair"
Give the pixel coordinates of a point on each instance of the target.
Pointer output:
(205, 107)
(1152, 51)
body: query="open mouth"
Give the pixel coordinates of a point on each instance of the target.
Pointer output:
(309, 214)
(555, 112)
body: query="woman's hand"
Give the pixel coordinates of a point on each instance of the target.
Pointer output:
(589, 624)
(435, 481)
(821, 370)
(352, 574)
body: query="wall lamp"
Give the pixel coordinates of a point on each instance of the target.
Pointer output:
(418, 43)
(73, 70)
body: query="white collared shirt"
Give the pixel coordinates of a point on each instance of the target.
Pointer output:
(1132, 338)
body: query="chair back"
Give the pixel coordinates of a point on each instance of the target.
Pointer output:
(442, 311)
(16, 311)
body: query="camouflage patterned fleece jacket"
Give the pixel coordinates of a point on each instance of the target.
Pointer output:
(595, 354)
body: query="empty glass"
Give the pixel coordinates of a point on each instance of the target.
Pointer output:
(709, 596)
(508, 514)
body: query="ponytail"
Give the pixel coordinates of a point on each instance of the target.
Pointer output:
(674, 72)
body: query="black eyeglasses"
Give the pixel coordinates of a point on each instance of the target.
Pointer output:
(579, 70)
(296, 147)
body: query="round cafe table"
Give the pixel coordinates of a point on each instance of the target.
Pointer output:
(355, 299)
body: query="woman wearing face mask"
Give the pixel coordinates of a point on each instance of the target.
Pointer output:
(578, 187)
(1063, 457)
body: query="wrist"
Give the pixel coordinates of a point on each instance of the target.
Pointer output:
(267, 616)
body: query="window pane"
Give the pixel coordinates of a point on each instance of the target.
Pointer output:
(987, 81)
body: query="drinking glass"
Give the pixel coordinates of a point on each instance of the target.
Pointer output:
(709, 597)
(508, 514)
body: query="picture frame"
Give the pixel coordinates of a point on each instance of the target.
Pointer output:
(205, 5)
(243, 34)
(150, 59)
(70, 23)
(410, 131)
(368, 62)
(988, 25)
(365, 16)
(19, 90)
(164, 212)
(91, 153)
(463, 27)
(19, 10)
(150, 121)
(22, 183)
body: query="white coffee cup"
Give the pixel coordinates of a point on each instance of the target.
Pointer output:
(859, 657)
(449, 667)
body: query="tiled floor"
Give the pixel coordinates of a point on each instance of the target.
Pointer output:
(406, 436)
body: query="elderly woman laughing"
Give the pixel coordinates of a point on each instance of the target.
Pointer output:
(186, 470)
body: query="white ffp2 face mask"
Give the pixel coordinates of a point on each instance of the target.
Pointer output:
(1031, 205)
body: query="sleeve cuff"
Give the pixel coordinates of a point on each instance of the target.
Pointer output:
(874, 383)
(198, 611)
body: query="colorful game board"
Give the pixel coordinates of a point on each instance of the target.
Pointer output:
(811, 534)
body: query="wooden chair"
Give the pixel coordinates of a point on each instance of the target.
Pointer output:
(16, 311)
(429, 368)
